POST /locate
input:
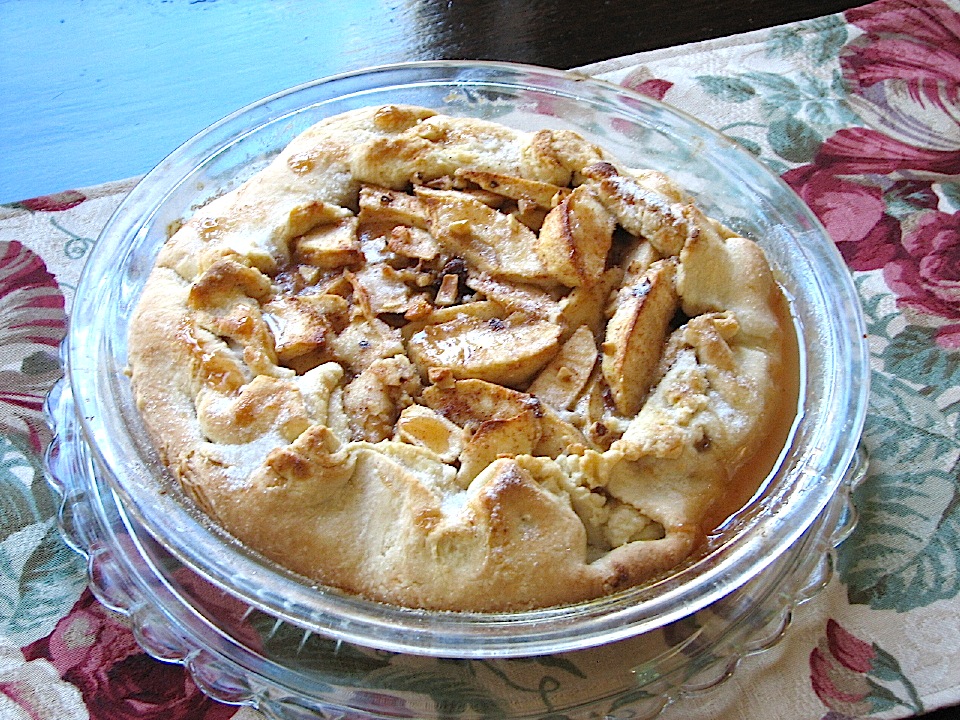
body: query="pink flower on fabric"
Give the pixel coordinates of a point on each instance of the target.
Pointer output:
(34, 689)
(917, 41)
(904, 71)
(855, 678)
(927, 277)
(655, 88)
(855, 178)
(640, 81)
(862, 151)
(850, 211)
(32, 324)
(58, 202)
(849, 650)
(98, 654)
(839, 688)
(838, 671)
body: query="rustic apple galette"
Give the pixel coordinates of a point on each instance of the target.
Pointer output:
(441, 363)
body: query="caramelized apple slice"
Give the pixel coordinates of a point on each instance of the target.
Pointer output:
(488, 240)
(557, 436)
(382, 206)
(468, 403)
(481, 310)
(382, 289)
(373, 400)
(594, 412)
(424, 426)
(587, 304)
(413, 243)
(508, 352)
(363, 341)
(637, 260)
(545, 195)
(576, 237)
(563, 379)
(515, 297)
(330, 246)
(636, 334)
(302, 324)
(642, 211)
(495, 438)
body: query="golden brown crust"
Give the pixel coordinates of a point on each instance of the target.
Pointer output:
(442, 363)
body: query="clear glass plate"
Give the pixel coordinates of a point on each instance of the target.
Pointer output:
(728, 183)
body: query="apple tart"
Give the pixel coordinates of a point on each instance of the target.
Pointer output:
(441, 363)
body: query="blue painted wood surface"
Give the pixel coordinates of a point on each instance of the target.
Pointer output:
(99, 90)
(96, 91)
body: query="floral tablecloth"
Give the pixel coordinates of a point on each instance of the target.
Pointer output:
(860, 113)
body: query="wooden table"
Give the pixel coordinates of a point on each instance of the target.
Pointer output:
(100, 91)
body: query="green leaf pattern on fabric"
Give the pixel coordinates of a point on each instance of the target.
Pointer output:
(728, 89)
(796, 110)
(40, 577)
(821, 39)
(793, 140)
(905, 551)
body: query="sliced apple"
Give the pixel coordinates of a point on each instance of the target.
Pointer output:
(330, 246)
(576, 237)
(373, 400)
(515, 297)
(636, 334)
(593, 412)
(528, 213)
(508, 352)
(557, 436)
(481, 309)
(541, 193)
(382, 289)
(496, 438)
(302, 323)
(587, 304)
(413, 243)
(424, 426)
(383, 206)
(244, 326)
(563, 379)
(468, 403)
(364, 340)
(642, 211)
(487, 239)
(637, 260)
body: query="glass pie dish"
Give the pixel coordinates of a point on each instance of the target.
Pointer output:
(238, 654)
(121, 502)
